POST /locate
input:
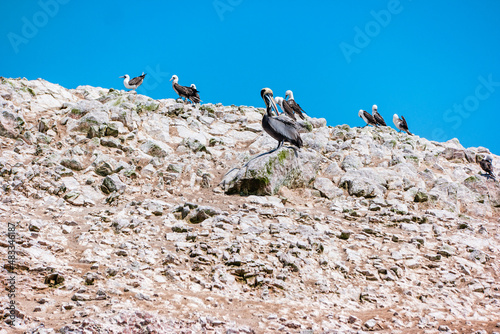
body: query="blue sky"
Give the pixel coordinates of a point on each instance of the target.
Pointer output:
(435, 62)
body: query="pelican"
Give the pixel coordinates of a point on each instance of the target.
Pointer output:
(487, 166)
(183, 91)
(400, 123)
(377, 116)
(134, 83)
(369, 119)
(281, 128)
(285, 106)
(295, 106)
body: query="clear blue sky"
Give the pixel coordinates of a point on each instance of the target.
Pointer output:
(435, 62)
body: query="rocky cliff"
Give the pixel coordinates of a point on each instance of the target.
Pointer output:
(139, 215)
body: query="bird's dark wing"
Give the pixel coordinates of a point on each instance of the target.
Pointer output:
(379, 118)
(369, 117)
(286, 129)
(193, 95)
(403, 123)
(137, 80)
(183, 91)
(288, 110)
(486, 166)
(405, 126)
(296, 108)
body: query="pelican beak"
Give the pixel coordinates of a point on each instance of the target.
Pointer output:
(271, 103)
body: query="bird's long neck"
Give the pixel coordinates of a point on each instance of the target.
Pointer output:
(125, 81)
(290, 96)
(175, 81)
(269, 111)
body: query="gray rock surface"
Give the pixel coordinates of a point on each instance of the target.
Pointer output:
(129, 218)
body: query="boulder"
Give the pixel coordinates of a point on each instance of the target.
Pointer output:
(266, 174)
(11, 124)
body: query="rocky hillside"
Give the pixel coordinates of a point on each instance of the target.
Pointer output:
(136, 215)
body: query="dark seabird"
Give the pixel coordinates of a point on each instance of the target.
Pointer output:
(196, 92)
(183, 91)
(487, 166)
(369, 119)
(377, 116)
(281, 128)
(295, 106)
(134, 83)
(400, 123)
(285, 106)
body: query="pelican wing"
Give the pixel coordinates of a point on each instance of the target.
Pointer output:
(285, 128)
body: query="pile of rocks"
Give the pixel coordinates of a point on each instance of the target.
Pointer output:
(152, 215)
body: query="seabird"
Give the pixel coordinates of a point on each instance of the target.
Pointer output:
(193, 86)
(134, 83)
(487, 166)
(400, 123)
(295, 106)
(369, 119)
(183, 91)
(377, 116)
(285, 106)
(281, 127)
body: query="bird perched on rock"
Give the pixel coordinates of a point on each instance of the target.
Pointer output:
(196, 92)
(487, 165)
(134, 83)
(281, 127)
(294, 105)
(185, 92)
(377, 116)
(369, 119)
(400, 123)
(285, 106)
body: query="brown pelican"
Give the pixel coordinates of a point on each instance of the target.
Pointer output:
(487, 166)
(281, 128)
(400, 123)
(134, 83)
(295, 106)
(183, 91)
(369, 119)
(377, 116)
(285, 106)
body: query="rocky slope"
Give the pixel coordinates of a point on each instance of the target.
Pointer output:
(138, 215)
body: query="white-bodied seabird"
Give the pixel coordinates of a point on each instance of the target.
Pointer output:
(281, 128)
(134, 83)
(377, 116)
(369, 119)
(285, 106)
(295, 106)
(400, 123)
(183, 91)
(487, 165)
